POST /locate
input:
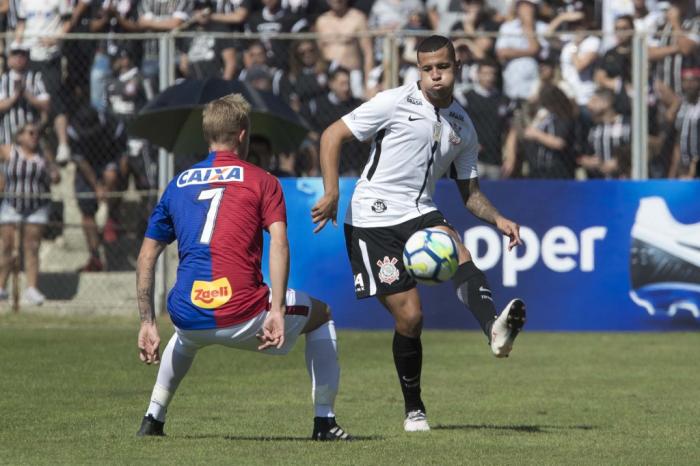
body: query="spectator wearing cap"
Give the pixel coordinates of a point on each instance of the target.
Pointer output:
(686, 149)
(548, 73)
(322, 111)
(518, 46)
(23, 95)
(40, 24)
(491, 112)
(204, 55)
(609, 137)
(676, 45)
(353, 54)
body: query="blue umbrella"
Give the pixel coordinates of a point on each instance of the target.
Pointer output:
(173, 119)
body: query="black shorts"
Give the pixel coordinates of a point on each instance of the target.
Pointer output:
(376, 255)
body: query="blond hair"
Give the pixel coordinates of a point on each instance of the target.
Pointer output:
(223, 118)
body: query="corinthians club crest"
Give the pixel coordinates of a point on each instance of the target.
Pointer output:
(388, 273)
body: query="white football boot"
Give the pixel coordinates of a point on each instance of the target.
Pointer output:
(416, 421)
(506, 327)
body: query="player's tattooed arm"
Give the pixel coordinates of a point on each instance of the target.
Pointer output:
(145, 278)
(479, 205)
(476, 201)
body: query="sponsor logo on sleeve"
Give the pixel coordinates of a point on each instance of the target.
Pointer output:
(413, 100)
(210, 295)
(195, 176)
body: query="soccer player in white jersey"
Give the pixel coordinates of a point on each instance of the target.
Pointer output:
(419, 133)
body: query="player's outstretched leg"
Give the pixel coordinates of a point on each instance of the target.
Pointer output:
(474, 292)
(174, 364)
(322, 364)
(408, 354)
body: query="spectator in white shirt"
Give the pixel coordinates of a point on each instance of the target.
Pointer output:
(518, 47)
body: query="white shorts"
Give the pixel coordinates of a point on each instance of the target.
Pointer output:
(243, 335)
(8, 214)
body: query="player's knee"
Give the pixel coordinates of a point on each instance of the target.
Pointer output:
(410, 325)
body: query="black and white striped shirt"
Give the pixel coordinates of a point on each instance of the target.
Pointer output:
(545, 162)
(688, 130)
(22, 112)
(605, 139)
(669, 69)
(26, 179)
(162, 9)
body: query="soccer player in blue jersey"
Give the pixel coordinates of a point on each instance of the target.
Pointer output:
(217, 210)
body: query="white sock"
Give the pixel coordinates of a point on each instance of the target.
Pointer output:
(322, 363)
(174, 364)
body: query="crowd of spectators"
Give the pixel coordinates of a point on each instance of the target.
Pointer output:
(548, 83)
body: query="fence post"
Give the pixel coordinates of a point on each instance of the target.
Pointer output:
(640, 121)
(165, 77)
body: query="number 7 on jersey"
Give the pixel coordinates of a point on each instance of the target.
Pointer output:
(215, 196)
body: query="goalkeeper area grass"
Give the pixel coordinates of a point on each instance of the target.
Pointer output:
(72, 391)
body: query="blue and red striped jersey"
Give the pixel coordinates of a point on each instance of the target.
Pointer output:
(217, 210)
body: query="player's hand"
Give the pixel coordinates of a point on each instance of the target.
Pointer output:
(149, 343)
(511, 230)
(325, 209)
(272, 335)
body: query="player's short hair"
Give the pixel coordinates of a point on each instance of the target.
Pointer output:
(223, 118)
(433, 44)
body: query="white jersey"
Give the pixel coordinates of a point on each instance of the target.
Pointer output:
(414, 144)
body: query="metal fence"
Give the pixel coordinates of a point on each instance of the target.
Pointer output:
(88, 252)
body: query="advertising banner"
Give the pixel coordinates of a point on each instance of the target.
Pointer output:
(596, 255)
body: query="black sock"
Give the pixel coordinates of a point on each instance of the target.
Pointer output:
(408, 358)
(474, 292)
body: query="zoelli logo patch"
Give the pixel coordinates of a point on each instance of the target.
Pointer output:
(210, 295)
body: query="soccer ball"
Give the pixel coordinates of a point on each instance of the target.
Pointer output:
(430, 256)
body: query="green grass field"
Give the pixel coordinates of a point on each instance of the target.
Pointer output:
(72, 391)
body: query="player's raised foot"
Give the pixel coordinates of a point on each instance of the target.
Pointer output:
(326, 429)
(506, 327)
(416, 421)
(151, 427)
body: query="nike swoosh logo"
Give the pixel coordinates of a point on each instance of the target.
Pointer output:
(484, 290)
(411, 118)
(409, 379)
(688, 245)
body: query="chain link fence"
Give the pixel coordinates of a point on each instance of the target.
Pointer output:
(543, 117)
